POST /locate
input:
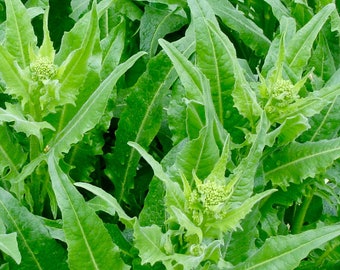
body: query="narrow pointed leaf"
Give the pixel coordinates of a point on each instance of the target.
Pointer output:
(110, 200)
(251, 34)
(299, 48)
(286, 252)
(93, 246)
(9, 245)
(92, 110)
(155, 24)
(19, 32)
(34, 241)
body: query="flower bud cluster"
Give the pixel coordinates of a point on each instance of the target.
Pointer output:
(43, 69)
(283, 93)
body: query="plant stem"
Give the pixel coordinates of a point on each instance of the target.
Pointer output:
(299, 217)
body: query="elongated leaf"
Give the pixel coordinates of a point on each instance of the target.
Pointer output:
(139, 122)
(298, 161)
(21, 124)
(286, 252)
(17, 84)
(88, 248)
(110, 200)
(216, 57)
(90, 113)
(155, 24)
(190, 76)
(278, 9)
(38, 249)
(112, 47)
(19, 32)
(12, 155)
(78, 8)
(73, 70)
(249, 32)
(299, 48)
(244, 174)
(9, 245)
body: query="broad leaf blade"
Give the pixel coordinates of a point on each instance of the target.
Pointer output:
(286, 252)
(298, 161)
(38, 249)
(88, 248)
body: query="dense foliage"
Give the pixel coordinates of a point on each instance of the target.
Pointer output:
(169, 134)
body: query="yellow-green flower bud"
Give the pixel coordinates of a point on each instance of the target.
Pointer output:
(43, 69)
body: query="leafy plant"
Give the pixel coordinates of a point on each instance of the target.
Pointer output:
(169, 134)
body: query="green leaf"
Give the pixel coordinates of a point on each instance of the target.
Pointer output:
(149, 241)
(90, 113)
(233, 217)
(278, 8)
(216, 58)
(298, 49)
(251, 34)
(112, 47)
(88, 248)
(190, 75)
(13, 114)
(12, 74)
(72, 72)
(19, 32)
(155, 24)
(139, 122)
(12, 156)
(38, 249)
(243, 175)
(298, 161)
(110, 201)
(78, 8)
(9, 245)
(286, 252)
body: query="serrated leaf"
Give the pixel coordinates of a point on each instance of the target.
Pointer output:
(92, 110)
(155, 24)
(149, 241)
(38, 249)
(286, 252)
(233, 217)
(13, 114)
(19, 32)
(9, 245)
(298, 50)
(12, 74)
(298, 161)
(87, 248)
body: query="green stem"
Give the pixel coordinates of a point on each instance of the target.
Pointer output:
(301, 212)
